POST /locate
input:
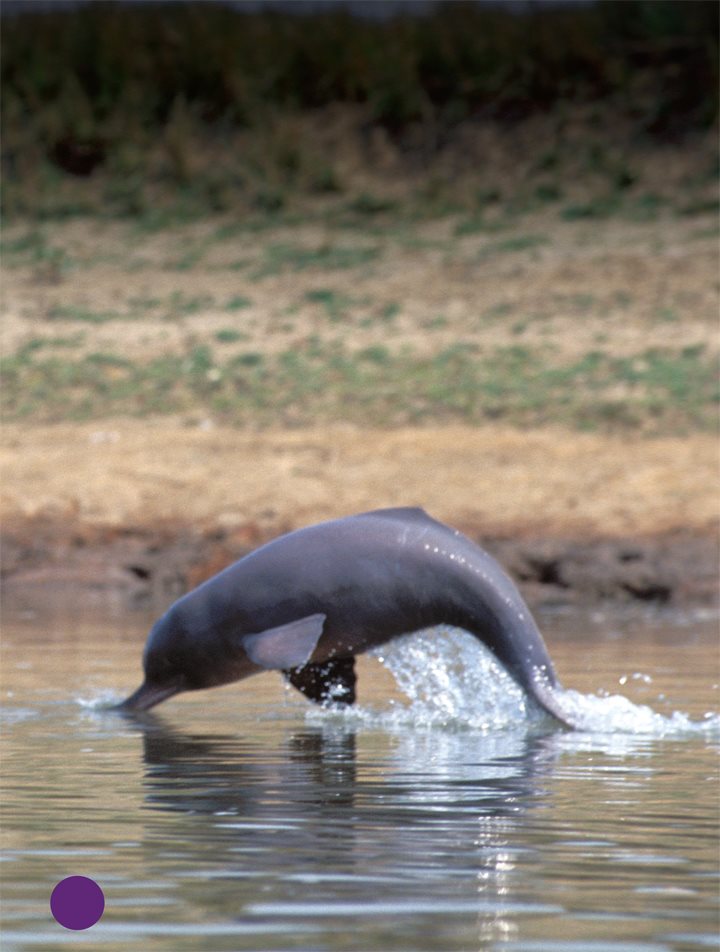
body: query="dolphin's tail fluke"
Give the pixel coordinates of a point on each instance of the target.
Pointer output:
(496, 613)
(543, 694)
(522, 652)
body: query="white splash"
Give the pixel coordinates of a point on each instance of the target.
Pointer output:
(102, 701)
(615, 714)
(451, 681)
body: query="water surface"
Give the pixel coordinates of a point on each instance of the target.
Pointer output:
(451, 819)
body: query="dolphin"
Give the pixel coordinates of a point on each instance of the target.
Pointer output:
(309, 601)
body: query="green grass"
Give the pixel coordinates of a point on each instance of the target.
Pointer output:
(548, 192)
(702, 233)
(186, 261)
(498, 311)
(338, 307)
(655, 391)
(139, 303)
(32, 241)
(702, 206)
(34, 249)
(238, 303)
(517, 243)
(285, 256)
(477, 225)
(179, 304)
(229, 335)
(175, 306)
(334, 303)
(390, 311)
(73, 312)
(35, 344)
(371, 205)
(599, 208)
(646, 207)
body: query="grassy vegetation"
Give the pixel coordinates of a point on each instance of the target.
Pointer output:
(290, 257)
(653, 391)
(176, 110)
(167, 64)
(273, 177)
(227, 367)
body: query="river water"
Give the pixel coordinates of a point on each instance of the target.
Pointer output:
(440, 814)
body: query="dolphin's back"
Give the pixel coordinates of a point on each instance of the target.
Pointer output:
(408, 572)
(474, 592)
(345, 586)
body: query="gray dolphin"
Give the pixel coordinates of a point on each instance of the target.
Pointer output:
(308, 602)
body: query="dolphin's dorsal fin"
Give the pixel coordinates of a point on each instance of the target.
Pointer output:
(328, 682)
(285, 646)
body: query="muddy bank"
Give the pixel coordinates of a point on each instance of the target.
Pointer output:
(140, 511)
(147, 567)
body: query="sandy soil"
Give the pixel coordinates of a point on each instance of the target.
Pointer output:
(130, 473)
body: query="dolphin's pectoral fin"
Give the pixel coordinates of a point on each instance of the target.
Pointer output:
(287, 646)
(329, 682)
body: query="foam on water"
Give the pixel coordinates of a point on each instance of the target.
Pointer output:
(103, 701)
(616, 714)
(451, 681)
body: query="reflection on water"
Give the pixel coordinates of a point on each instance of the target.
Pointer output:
(242, 818)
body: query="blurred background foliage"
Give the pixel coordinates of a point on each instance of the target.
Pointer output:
(102, 85)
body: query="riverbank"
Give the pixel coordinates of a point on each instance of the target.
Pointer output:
(516, 329)
(146, 509)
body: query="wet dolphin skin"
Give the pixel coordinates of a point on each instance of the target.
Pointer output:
(308, 602)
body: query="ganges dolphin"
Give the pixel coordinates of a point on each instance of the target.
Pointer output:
(308, 602)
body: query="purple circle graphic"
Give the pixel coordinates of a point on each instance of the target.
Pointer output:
(77, 902)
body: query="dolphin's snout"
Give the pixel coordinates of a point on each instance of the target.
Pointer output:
(146, 696)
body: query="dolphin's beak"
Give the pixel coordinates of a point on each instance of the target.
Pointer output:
(147, 696)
